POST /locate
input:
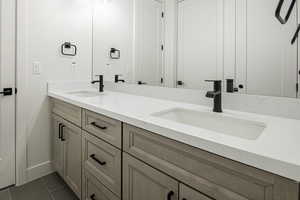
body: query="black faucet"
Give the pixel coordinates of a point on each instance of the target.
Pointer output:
(118, 80)
(100, 81)
(216, 95)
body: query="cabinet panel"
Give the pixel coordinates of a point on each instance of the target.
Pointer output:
(187, 193)
(93, 189)
(209, 173)
(67, 111)
(72, 157)
(57, 148)
(103, 161)
(142, 182)
(103, 127)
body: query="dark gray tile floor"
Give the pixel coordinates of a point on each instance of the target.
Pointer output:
(50, 187)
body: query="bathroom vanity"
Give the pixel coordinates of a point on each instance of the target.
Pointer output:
(104, 150)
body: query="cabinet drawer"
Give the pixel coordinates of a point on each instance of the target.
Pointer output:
(67, 111)
(93, 189)
(211, 174)
(103, 161)
(103, 127)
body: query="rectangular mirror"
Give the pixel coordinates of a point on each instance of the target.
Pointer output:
(182, 43)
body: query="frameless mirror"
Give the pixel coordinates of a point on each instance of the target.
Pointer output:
(182, 43)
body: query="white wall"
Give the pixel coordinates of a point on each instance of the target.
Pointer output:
(42, 27)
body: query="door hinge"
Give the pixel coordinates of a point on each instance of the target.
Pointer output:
(162, 15)
(297, 87)
(162, 47)
(161, 80)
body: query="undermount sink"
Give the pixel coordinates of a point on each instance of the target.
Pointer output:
(84, 93)
(216, 122)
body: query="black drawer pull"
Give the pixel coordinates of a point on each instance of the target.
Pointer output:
(59, 131)
(93, 197)
(93, 156)
(97, 126)
(170, 194)
(62, 132)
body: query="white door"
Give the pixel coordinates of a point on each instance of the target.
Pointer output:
(149, 28)
(266, 59)
(200, 42)
(7, 103)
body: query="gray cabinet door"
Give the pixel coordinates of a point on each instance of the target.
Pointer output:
(57, 148)
(142, 182)
(71, 136)
(187, 193)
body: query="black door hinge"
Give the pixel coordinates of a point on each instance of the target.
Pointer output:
(162, 15)
(161, 80)
(297, 87)
(16, 90)
(162, 47)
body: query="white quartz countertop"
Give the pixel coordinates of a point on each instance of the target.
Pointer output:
(276, 150)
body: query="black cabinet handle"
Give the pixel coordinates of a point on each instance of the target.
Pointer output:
(93, 197)
(59, 131)
(170, 194)
(97, 126)
(62, 133)
(278, 10)
(93, 156)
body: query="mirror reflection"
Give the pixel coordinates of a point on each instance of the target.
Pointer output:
(181, 43)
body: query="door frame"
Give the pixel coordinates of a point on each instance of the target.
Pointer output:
(8, 46)
(21, 83)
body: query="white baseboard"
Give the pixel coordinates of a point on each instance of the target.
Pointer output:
(39, 171)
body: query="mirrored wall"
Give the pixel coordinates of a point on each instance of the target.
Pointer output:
(182, 43)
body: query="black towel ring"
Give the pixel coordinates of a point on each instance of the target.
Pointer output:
(68, 45)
